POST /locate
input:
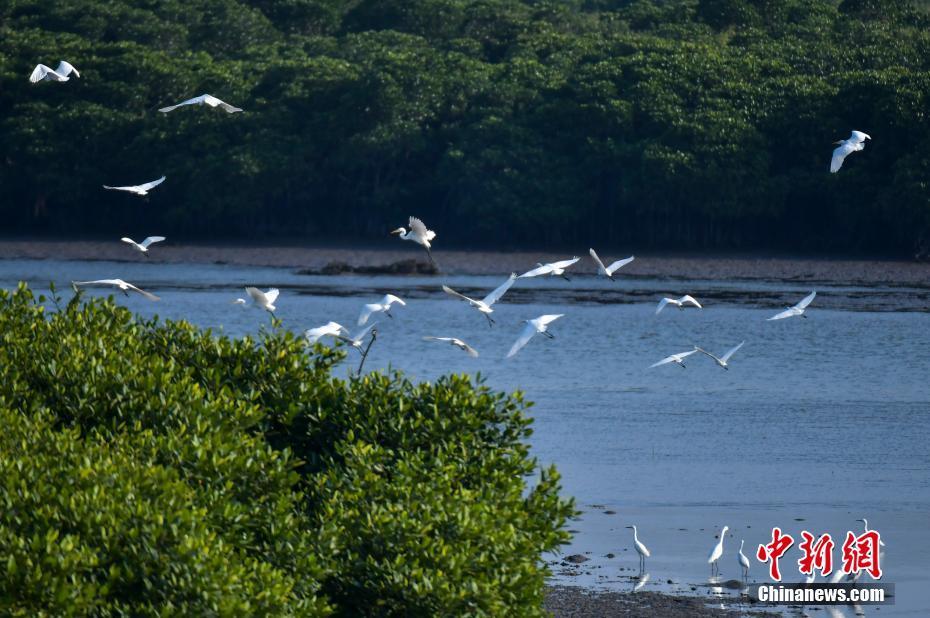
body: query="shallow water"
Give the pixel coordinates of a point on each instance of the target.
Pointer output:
(823, 420)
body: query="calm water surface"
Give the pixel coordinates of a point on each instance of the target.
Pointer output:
(819, 421)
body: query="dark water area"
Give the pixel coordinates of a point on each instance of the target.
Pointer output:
(818, 422)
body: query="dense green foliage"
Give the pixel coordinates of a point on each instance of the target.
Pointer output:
(647, 123)
(150, 468)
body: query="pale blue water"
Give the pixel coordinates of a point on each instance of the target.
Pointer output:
(825, 419)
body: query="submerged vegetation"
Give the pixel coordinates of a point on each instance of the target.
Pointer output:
(151, 468)
(653, 123)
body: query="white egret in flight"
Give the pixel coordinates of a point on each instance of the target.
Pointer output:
(118, 283)
(142, 247)
(722, 361)
(640, 549)
(204, 99)
(555, 269)
(854, 143)
(484, 305)
(418, 234)
(384, 306)
(798, 309)
(865, 524)
(608, 271)
(743, 561)
(716, 552)
(455, 341)
(330, 329)
(338, 331)
(61, 74)
(265, 300)
(142, 189)
(687, 299)
(674, 358)
(239, 301)
(536, 325)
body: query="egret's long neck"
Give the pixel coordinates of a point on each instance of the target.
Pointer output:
(635, 537)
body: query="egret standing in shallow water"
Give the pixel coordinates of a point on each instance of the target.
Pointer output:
(854, 143)
(798, 309)
(722, 361)
(743, 561)
(555, 269)
(865, 524)
(536, 325)
(641, 549)
(418, 234)
(608, 271)
(716, 552)
(484, 305)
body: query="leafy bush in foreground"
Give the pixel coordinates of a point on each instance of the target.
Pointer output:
(152, 468)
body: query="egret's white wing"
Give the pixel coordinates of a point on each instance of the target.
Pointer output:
(149, 185)
(543, 320)
(468, 349)
(662, 304)
(330, 328)
(66, 68)
(99, 282)
(564, 263)
(131, 189)
(446, 339)
(674, 358)
(449, 290)
(542, 269)
(687, 298)
(357, 337)
(859, 137)
(390, 299)
(272, 295)
(212, 101)
(731, 352)
(600, 264)
(525, 335)
(619, 264)
(366, 312)
(257, 295)
(39, 73)
(787, 313)
(128, 240)
(148, 295)
(194, 101)
(807, 300)
(419, 229)
(664, 361)
(495, 296)
(151, 240)
(840, 154)
(706, 353)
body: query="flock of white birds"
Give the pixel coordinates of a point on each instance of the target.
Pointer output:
(418, 233)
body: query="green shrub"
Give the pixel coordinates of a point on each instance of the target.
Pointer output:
(151, 468)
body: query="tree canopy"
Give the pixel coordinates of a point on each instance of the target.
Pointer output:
(647, 123)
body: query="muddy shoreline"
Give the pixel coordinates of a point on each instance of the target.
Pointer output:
(479, 262)
(576, 602)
